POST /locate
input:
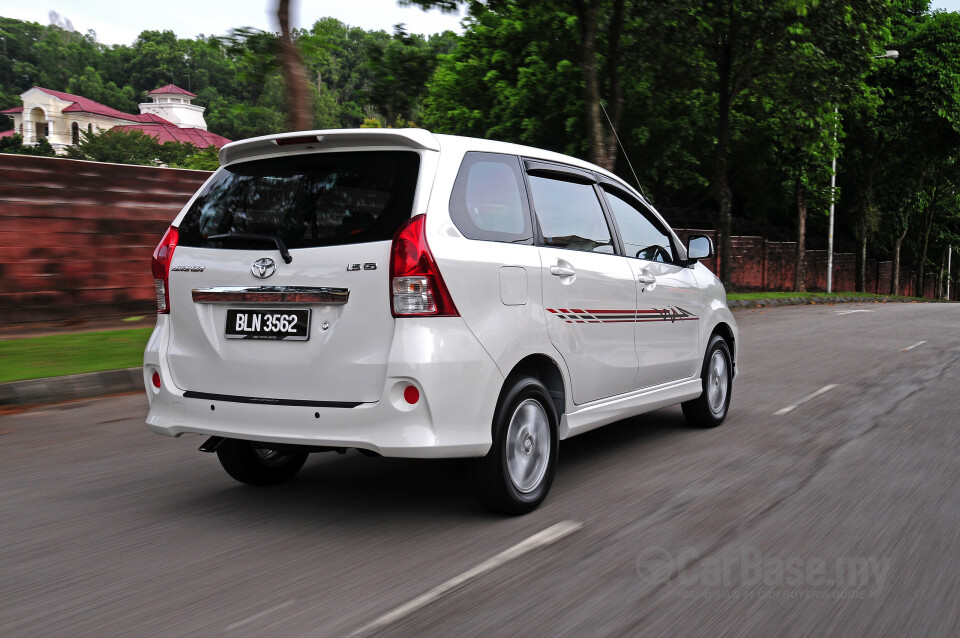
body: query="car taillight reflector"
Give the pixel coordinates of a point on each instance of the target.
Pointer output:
(160, 265)
(156, 379)
(417, 289)
(411, 395)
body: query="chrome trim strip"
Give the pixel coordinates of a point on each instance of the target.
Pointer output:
(272, 294)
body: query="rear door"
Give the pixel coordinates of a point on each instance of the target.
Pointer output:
(244, 322)
(589, 294)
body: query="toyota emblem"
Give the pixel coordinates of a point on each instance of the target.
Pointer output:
(263, 268)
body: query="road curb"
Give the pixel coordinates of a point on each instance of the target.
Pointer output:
(746, 304)
(34, 392)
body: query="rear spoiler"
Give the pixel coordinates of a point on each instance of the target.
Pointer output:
(337, 138)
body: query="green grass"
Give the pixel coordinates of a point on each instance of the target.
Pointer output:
(739, 296)
(57, 355)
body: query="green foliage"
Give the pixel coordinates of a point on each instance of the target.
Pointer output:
(511, 78)
(91, 85)
(115, 146)
(205, 159)
(400, 68)
(15, 146)
(136, 147)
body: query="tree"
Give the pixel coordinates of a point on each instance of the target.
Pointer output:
(597, 28)
(294, 77)
(115, 146)
(735, 39)
(90, 85)
(823, 66)
(136, 147)
(15, 146)
(205, 159)
(399, 69)
(157, 59)
(511, 78)
(922, 118)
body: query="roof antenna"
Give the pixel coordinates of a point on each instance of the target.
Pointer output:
(629, 163)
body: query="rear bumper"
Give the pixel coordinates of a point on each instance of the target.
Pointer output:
(457, 380)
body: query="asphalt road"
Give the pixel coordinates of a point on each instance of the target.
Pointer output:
(840, 516)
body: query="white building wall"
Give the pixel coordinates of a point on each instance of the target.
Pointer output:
(42, 108)
(182, 114)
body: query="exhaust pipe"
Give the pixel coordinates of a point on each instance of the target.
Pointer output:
(211, 444)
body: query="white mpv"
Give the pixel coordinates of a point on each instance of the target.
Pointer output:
(417, 295)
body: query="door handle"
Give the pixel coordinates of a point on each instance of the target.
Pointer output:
(562, 271)
(646, 277)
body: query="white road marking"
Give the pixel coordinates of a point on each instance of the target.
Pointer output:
(850, 312)
(793, 406)
(540, 539)
(263, 613)
(909, 348)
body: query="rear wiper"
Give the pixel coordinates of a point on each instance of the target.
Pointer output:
(262, 237)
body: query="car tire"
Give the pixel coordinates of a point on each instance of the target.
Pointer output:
(254, 464)
(515, 475)
(710, 408)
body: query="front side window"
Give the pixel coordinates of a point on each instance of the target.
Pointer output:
(570, 215)
(641, 237)
(320, 199)
(488, 201)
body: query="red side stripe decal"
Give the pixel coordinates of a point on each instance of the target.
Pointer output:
(641, 315)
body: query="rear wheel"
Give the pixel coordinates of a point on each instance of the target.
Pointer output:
(516, 474)
(256, 464)
(710, 408)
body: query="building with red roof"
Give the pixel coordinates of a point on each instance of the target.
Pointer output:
(167, 132)
(169, 116)
(173, 104)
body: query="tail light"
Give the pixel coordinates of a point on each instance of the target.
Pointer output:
(418, 288)
(160, 264)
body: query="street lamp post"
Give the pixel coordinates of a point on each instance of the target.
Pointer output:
(833, 202)
(889, 55)
(949, 255)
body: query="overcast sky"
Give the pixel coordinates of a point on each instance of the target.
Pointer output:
(120, 21)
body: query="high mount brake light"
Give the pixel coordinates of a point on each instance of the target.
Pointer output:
(160, 265)
(301, 139)
(417, 287)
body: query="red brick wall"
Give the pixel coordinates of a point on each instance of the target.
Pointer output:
(760, 265)
(76, 237)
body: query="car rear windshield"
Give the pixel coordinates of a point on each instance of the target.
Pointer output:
(320, 199)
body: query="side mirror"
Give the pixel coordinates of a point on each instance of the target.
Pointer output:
(699, 247)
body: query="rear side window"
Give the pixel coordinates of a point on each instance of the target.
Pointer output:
(570, 215)
(321, 199)
(488, 200)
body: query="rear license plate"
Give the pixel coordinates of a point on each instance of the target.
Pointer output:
(260, 323)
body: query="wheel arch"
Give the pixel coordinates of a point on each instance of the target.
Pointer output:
(724, 330)
(547, 371)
